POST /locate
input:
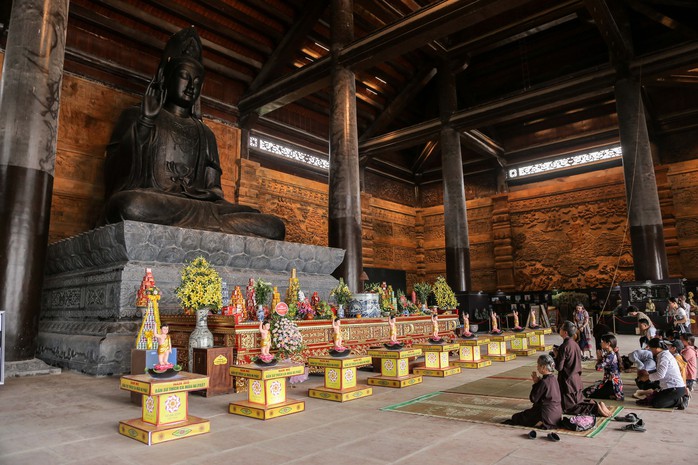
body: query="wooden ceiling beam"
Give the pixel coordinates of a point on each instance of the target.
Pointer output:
(413, 31)
(614, 27)
(661, 18)
(170, 28)
(205, 22)
(480, 143)
(526, 104)
(400, 102)
(282, 56)
(148, 41)
(429, 149)
(537, 21)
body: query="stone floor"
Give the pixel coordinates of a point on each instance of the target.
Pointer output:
(72, 419)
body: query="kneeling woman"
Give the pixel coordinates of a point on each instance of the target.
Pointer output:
(546, 411)
(611, 386)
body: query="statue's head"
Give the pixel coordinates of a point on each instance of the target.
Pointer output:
(183, 80)
(181, 68)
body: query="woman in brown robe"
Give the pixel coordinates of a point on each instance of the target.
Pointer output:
(546, 411)
(568, 363)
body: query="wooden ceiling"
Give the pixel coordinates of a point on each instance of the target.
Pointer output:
(535, 77)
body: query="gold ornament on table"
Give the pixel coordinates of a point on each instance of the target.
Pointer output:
(239, 304)
(294, 288)
(147, 301)
(275, 298)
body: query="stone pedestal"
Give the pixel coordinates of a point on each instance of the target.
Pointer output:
(470, 353)
(395, 368)
(497, 348)
(340, 378)
(436, 362)
(165, 411)
(88, 314)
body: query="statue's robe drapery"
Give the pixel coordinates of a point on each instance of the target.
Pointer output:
(170, 174)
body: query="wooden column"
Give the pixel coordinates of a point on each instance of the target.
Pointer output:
(29, 99)
(646, 230)
(344, 228)
(455, 216)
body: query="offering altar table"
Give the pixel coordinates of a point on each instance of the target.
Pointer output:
(165, 410)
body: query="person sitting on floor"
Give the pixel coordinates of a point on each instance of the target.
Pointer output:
(568, 363)
(546, 411)
(675, 348)
(647, 331)
(611, 386)
(672, 391)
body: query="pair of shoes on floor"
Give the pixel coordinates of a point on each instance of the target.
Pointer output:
(638, 426)
(552, 436)
(629, 418)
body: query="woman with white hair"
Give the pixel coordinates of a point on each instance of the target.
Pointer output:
(546, 411)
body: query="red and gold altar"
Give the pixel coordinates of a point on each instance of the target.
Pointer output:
(359, 334)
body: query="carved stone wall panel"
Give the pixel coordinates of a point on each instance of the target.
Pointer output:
(388, 189)
(575, 246)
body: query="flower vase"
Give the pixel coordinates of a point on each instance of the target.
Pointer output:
(201, 337)
(260, 313)
(340, 311)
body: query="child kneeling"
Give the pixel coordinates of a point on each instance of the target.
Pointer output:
(546, 411)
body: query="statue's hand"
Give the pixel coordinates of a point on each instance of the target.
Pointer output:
(153, 99)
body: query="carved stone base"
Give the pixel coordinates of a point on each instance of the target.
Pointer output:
(88, 313)
(33, 367)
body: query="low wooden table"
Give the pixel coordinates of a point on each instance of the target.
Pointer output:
(266, 395)
(165, 410)
(497, 347)
(536, 339)
(340, 378)
(519, 345)
(395, 368)
(470, 353)
(436, 360)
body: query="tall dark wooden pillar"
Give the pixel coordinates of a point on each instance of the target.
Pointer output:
(646, 229)
(455, 215)
(29, 98)
(344, 227)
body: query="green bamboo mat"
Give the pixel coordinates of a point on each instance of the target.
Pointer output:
(481, 409)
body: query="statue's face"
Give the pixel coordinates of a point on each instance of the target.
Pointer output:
(184, 85)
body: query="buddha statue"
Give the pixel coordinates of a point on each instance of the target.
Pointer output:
(162, 161)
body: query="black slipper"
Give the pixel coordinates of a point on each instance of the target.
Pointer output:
(639, 426)
(553, 437)
(629, 418)
(532, 434)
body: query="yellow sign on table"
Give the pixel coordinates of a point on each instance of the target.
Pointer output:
(470, 353)
(340, 378)
(519, 345)
(497, 347)
(165, 407)
(395, 368)
(436, 360)
(536, 339)
(266, 393)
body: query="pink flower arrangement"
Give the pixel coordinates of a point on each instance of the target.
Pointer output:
(286, 337)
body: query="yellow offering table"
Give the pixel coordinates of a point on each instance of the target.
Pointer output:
(340, 378)
(497, 347)
(266, 393)
(536, 339)
(470, 353)
(436, 360)
(165, 413)
(395, 368)
(519, 345)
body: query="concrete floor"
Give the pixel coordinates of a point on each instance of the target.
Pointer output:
(72, 419)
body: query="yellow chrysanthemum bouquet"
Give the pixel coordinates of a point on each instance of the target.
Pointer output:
(200, 287)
